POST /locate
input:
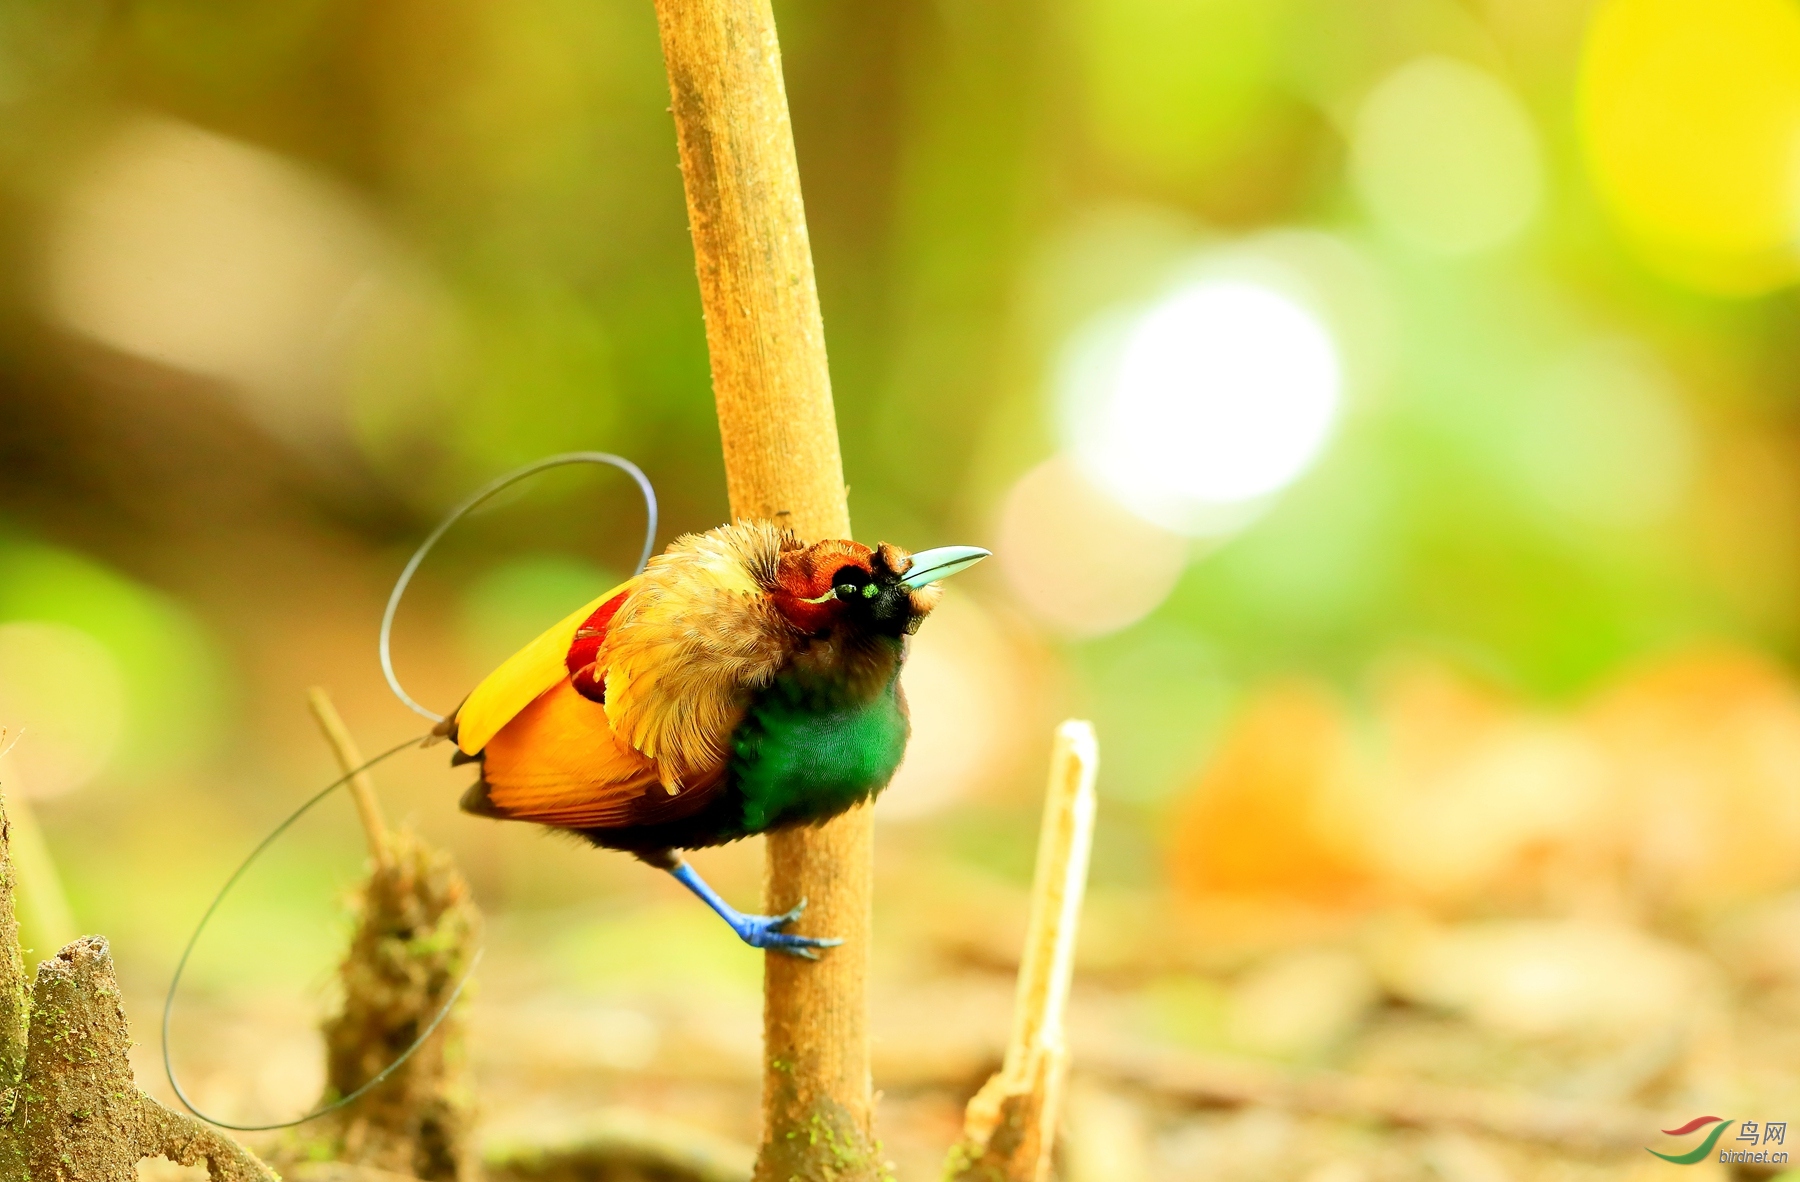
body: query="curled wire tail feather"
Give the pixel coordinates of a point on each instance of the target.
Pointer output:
(206, 917)
(473, 502)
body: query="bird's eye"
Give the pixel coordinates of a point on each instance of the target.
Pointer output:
(849, 580)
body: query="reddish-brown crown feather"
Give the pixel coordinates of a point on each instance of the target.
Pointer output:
(803, 575)
(808, 573)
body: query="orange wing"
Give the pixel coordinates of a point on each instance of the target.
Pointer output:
(558, 762)
(524, 676)
(548, 751)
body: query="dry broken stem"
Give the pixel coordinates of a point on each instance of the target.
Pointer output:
(1010, 1127)
(350, 762)
(414, 942)
(80, 1116)
(77, 1113)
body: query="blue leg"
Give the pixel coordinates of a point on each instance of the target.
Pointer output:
(758, 931)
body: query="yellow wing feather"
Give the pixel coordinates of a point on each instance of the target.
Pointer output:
(521, 679)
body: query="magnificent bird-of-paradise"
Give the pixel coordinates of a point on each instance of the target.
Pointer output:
(743, 682)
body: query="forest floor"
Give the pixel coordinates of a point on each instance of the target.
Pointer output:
(1346, 1049)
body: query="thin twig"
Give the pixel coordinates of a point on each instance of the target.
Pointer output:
(362, 786)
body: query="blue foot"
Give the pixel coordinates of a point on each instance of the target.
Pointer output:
(758, 931)
(764, 931)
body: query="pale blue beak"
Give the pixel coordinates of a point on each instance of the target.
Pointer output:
(929, 566)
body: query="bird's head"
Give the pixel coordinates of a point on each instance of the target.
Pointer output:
(885, 591)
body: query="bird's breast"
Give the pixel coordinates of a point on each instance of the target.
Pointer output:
(800, 757)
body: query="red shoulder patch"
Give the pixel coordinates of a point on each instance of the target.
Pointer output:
(588, 638)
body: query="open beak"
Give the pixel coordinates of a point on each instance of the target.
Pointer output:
(928, 566)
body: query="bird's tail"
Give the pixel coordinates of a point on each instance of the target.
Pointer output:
(206, 918)
(478, 802)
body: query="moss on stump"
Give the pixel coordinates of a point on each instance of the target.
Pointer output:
(415, 935)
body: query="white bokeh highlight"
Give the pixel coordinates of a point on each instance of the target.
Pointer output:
(1208, 402)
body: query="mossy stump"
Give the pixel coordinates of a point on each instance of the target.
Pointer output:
(70, 1110)
(414, 940)
(78, 1115)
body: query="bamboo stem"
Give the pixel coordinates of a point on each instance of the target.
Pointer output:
(778, 429)
(362, 786)
(1010, 1125)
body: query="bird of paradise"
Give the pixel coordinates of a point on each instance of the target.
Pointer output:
(742, 683)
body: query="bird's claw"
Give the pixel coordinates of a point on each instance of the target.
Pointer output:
(765, 931)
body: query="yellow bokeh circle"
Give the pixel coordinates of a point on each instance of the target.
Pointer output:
(1690, 117)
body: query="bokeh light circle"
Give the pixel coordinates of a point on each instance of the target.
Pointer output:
(1446, 158)
(1214, 397)
(1604, 439)
(966, 691)
(1690, 117)
(208, 254)
(1079, 561)
(63, 704)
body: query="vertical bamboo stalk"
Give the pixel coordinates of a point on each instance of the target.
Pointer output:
(779, 432)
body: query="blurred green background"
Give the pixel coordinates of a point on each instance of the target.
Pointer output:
(1383, 415)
